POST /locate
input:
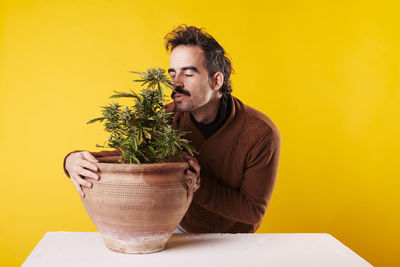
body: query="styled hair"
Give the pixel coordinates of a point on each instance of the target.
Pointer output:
(215, 57)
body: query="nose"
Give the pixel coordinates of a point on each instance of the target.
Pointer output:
(177, 81)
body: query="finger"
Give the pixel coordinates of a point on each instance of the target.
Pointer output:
(78, 187)
(88, 156)
(193, 162)
(197, 184)
(187, 156)
(190, 173)
(87, 173)
(195, 165)
(83, 182)
(191, 176)
(89, 165)
(195, 187)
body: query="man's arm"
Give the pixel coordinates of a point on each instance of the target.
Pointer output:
(247, 204)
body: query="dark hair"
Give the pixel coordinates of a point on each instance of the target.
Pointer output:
(215, 56)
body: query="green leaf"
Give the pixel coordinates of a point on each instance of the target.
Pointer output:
(188, 148)
(160, 90)
(135, 145)
(141, 73)
(140, 137)
(144, 156)
(151, 149)
(122, 94)
(97, 119)
(135, 159)
(176, 144)
(126, 140)
(168, 85)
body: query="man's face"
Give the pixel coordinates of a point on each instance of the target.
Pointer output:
(190, 76)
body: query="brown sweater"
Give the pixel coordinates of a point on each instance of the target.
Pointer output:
(239, 165)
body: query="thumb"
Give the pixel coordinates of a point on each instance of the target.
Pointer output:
(88, 156)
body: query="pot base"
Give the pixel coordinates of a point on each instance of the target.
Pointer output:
(137, 245)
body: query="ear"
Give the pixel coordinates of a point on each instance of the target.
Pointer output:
(217, 81)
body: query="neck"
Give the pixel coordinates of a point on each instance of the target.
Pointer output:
(207, 113)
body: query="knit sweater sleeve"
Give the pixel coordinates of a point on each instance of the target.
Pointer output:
(98, 155)
(248, 203)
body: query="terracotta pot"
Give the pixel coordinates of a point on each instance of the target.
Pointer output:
(136, 207)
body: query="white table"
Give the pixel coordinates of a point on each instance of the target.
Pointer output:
(190, 250)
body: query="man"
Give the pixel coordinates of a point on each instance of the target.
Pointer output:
(238, 146)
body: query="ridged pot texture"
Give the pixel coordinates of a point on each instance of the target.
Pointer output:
(136, 207)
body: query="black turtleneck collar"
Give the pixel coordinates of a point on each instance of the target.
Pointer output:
(223, 113)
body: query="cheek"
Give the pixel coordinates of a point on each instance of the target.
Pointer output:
(206, 89)
(200, 90)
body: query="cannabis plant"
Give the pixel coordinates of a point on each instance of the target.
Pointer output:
(143, 132)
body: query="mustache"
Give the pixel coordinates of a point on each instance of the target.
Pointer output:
(179, 90)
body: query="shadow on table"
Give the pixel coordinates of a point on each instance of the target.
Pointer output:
(192, 240)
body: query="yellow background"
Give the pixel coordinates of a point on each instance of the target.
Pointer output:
(326, 73)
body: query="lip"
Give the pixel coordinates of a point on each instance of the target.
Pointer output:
(178, 96)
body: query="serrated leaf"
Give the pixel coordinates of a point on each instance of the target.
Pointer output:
(96, 119)
(121, 94)
(135, 159)
(151, 149)
(135, 145)
(188, 148)
(140, 137)
(168, 85)
(160, 90)
(136, 72)
(125, 141)
(176, 144)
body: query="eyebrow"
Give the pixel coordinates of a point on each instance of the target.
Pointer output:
(193, 68)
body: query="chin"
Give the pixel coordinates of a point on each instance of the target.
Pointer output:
(181, 107)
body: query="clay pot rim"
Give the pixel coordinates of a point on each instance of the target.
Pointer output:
(147, 167)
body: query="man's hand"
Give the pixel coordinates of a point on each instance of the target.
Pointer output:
(192, 175)
(80, 166)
